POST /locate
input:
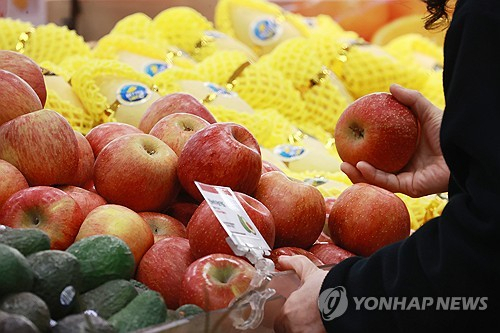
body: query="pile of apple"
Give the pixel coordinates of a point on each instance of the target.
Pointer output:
(138, 183)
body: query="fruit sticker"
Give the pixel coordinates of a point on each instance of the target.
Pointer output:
(289, 153)
(133, 93)
(219, 90)
(155, 67)
(266, 30)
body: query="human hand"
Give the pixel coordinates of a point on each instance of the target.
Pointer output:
(300, 312)
(426, 172)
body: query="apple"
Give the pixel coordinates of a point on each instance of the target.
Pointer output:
(269, 166)
(85, 169)
(365, 218)
(213, 281)
(42, 145)
(206, 235)
(163, 266)
(46, 208)
(163, 226)
(176, 128)
(329, 253)
(298, 209)
(378, 129)
(86, 199)
(182, 211)
(11, 181)
(122, 222)
(224, 154)
(292, 251)
(138, 171)
(102, 134)
(18, 97)
(27, 69)
(173, 103)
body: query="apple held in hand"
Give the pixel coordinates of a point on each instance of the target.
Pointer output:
(365, 218)
(223, 154)
(213, 281)
(173, 103)
(102, 134)
(176, 128)
(138, 171)
(11, 181)
(298, 209)
(42, 145)
(121, 222)
(330, 253)
(163, 226)
(163, 266)
(292, 251)
(46, 208)
(378, 129)
(207, 236)
(18, 97)
(27, 69)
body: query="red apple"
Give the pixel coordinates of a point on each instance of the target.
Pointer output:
(42, 145)
(27, 69)
(206, 235)
(11, 181)
(86, 199)
(163, 266)
(298, 209)
(378, 129)
(173, 103)
(18, 97)
(163, 226)
(292, 251)
(269, 166)
(102, 134)
(212, 282)
(86, 161)
(224, 154)
(176, 128)
(46, 208)
(365, 218)
(330, 253)
(121, 222)
(182, 211)
(138, 171)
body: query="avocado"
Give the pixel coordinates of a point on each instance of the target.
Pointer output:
(12, 323)
(28, 305)
(83, 323)
(15, 272)
(27, 241)
(147, 309)
(139, 286)
(102, 258)
(57, 280)
(109, 298)
(188, 310)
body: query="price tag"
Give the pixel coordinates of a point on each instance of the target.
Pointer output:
(244, 238)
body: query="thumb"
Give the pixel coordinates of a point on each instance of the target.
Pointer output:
(412, 99)
(298, 263)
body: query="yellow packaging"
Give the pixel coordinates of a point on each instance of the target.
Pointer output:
(13, 33)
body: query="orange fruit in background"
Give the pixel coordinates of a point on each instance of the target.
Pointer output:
(398, 8)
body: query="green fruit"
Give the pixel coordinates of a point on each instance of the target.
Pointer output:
(30, 306)
(83, 323)
(108, 298)
(57, 280)
(15, 272)
(139, 286)
(188, 310)
(27, 241)
(147, 309)
(102, 258)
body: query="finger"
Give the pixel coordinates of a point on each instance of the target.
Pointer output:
(352, 173)
(411, 98)
(378, 177)
(298, 263)
(279, 322)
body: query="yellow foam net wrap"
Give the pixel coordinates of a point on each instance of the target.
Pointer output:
(86, 84)
(167, 82)
(261, 25)
(423, 209)
(53, 43)
(136, 25)
(14, 33)
(432, 89)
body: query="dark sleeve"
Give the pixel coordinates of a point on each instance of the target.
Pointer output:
(454, 258)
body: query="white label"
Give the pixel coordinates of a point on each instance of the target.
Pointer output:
(233, 218)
